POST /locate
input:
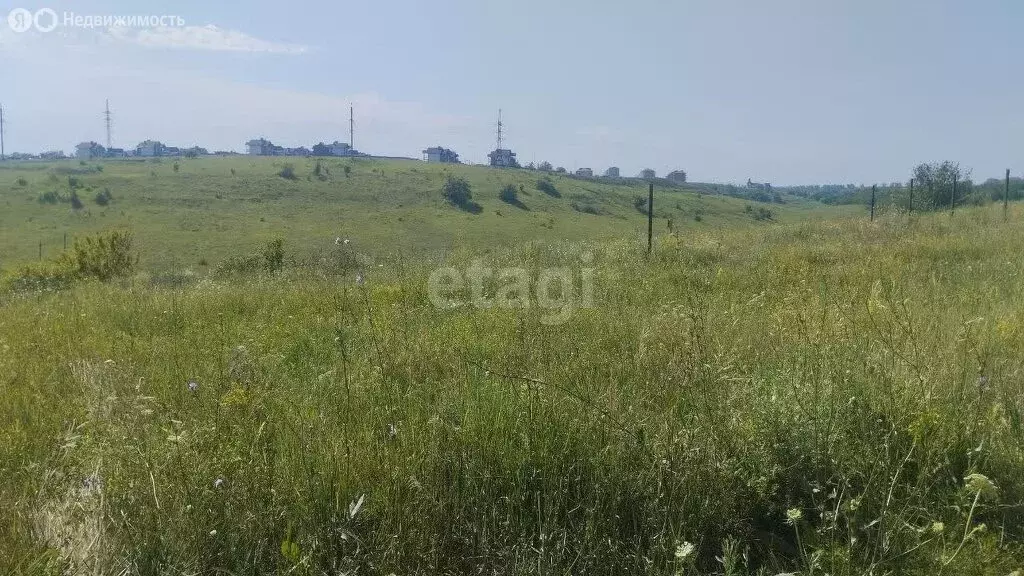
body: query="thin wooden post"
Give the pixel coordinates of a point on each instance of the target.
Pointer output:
(65, 241)
(40, 250)
(952, 197)
(874, 187)
(911, 195)
(650, 216)
(1006, 195)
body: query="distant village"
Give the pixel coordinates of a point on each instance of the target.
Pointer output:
(500, 157)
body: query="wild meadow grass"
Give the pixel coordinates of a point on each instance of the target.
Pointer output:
(834, 397)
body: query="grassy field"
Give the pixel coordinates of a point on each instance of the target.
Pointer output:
(206, 210)
(816, 397)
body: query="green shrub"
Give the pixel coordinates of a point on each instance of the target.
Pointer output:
(509, 194)
(457, 191)
(270, 258)
(51, 197)
(321, 171)
(585, 206)
(22, 182)
(287, 172)
(548, 187)
(104, 256)
(640, 203)
(273, 255)
(104, 197)
(76, 202)
(49, 275)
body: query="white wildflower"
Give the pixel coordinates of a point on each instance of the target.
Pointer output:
(684, 550)
(979, 483)
(793, 515)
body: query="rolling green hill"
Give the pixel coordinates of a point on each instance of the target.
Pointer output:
(205, 210)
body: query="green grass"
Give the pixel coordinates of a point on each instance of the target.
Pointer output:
(211, 209)
(809, 397)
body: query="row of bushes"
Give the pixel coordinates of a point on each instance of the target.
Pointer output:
(102, 198)
(458, 192)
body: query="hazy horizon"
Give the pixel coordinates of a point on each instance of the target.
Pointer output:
(793, 93)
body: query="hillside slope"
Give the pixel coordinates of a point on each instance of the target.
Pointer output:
(205, 210)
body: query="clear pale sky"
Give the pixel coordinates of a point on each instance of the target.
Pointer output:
(783, 91)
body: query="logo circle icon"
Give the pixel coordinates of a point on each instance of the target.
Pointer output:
(20, 20)
(41, 23)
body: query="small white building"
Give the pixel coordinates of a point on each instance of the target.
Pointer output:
(439, 154)
(261, 147)
(89, 150)
(612, 172)
(502, 158)
(677, 176)
(340, 149)
(150, 149)
(585, 173)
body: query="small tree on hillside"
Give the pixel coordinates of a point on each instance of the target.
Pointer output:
(457, 191)
(509, 194)
(935, 182)
(287, 172)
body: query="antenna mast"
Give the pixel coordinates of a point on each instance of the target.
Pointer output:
(107, 115)
(2, 157)
(499, 129)
(351, 129)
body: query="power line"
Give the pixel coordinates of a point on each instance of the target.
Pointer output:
(107, 114)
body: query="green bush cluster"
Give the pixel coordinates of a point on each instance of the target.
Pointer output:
(102, 257)
(270, 259)
(103, 197)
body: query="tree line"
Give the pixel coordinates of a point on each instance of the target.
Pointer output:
(932, 189)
